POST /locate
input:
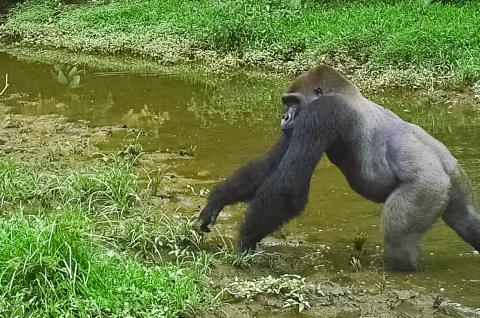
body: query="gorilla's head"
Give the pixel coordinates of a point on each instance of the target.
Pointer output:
(307, 87)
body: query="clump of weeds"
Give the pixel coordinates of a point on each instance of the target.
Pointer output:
(293, 289)
(357, 252)
(155, 180)
(188, 152)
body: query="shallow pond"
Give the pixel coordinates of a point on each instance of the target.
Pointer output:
(225, 122)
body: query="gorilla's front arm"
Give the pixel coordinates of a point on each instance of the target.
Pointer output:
(277, 185)
(243, 184)
(285, 192)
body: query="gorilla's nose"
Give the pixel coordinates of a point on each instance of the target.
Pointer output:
(288, 117)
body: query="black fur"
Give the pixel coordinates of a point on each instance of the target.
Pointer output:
(284, 194)
(243, 184)
(277, 185)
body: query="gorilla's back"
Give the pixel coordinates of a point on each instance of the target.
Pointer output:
(363, 153)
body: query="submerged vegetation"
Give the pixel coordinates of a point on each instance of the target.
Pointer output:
(395, 43)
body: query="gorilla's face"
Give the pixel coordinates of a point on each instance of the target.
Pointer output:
(321, 80)
(293, 102)
(288, 118)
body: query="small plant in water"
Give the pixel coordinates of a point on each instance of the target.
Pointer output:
(189, 152)
(383, 284)
(356, 264)
(131, 151)
(358, 243)
(438, 304)
(67, 75)
(437, 301)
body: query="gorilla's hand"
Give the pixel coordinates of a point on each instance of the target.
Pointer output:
(207, 217)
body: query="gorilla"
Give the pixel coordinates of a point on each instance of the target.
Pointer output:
(383, 158)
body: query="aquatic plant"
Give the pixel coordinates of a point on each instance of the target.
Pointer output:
(6, 85)
(67, 75)
(357, 252)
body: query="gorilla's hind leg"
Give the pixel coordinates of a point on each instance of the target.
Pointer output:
(408, 213)
(461, 214)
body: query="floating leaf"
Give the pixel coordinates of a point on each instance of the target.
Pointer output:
(75, 82)
(61, 78)
(72, 72)
(54, 75)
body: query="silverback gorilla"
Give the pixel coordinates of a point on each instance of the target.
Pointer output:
(382, 157)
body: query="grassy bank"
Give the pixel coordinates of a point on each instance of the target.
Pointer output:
(66, 249)
(404, 43)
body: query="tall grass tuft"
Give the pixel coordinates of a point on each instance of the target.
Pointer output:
(51, 267)
(99, 189)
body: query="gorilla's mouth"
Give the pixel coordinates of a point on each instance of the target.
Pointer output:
(288, 119)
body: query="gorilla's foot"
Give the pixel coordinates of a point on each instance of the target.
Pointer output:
(403, 258)
(246, 244)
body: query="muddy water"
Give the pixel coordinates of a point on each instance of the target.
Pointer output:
(230, 121)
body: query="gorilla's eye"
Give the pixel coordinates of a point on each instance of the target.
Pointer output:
(318, 91)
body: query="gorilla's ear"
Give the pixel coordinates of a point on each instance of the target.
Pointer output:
(325, 79)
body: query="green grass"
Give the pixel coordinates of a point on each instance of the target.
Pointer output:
(51, 267)
(97, 189)
(425, 41)
(80, 244)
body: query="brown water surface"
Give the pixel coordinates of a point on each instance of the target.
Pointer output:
(230, 121)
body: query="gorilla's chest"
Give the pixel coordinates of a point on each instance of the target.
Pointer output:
(366, 172)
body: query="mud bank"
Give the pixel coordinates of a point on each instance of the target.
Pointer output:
(409, 44)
